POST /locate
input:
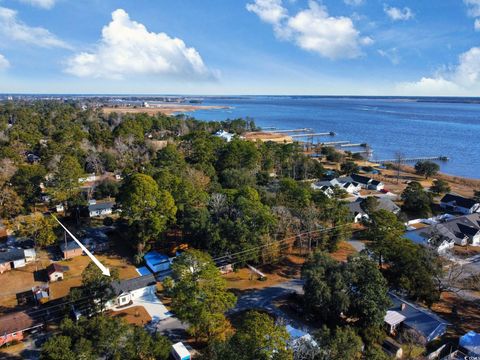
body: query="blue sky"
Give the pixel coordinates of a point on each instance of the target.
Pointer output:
(346, 47)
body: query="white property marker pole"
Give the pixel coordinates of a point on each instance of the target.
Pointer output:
(105, 270)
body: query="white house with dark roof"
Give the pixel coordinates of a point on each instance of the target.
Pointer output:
(100, 209)
(459, 204)
(358, 213)
(460, 230)
(328, 186)
(364, 182)
(126, 291)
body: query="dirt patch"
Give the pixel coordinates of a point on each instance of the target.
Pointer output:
(464, 315)
(268, 136)
(344, 251)
(244, 279)
(136, 315)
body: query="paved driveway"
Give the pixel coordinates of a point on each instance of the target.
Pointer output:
(152, 305)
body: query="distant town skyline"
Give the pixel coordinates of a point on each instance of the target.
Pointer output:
(277, 47)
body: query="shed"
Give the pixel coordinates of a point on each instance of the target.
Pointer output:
(157, 262)
(70, 250)
(180, 352)
(55, 272)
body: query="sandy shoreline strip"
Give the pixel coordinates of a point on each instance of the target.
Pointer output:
(167, 109)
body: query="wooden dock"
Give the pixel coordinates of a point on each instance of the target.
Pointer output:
(333, 143)
(313, 135)
(354, 145)
(304, 130)
(415, 159)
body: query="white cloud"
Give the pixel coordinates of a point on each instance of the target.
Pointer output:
(476, 25)
(313, 29)
(4, 63)
(353, 2)
(11, 28)
(44, 4)
(462, 79)
(397, 14)
(473, 7)
(390, 54)
(128, 48)
(270, 11)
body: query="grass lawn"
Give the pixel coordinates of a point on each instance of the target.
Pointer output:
(23, 279)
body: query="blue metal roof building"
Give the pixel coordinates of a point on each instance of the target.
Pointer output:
(420, 319)
(157, 262)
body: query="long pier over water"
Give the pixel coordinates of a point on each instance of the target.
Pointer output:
(414, 159)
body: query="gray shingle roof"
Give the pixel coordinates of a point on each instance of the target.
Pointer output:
(124, 286)
(11, 255)
(71, 245)
(101, 206)
(458, 200)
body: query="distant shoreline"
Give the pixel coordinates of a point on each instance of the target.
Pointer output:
(167, 109)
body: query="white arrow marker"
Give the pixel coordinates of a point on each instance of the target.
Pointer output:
(105, 270)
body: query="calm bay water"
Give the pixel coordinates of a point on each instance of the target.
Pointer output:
(388, 125)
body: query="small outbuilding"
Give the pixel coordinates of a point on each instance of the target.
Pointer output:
(70, 250)
(157, 262)
(56, 272)
(180, 352)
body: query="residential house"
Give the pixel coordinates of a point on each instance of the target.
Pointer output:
(437, 237)
(461, 230)
(328, 186)
(157, 262)
(56, 272)
(96, 240)
(225, 135)
(126, 291)
(70, 249)
(15, 258)
(358, 213)
(13, 326)
(459, 204)
(404, 315)
(88, 178)
(363, 181)
(100, 209)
